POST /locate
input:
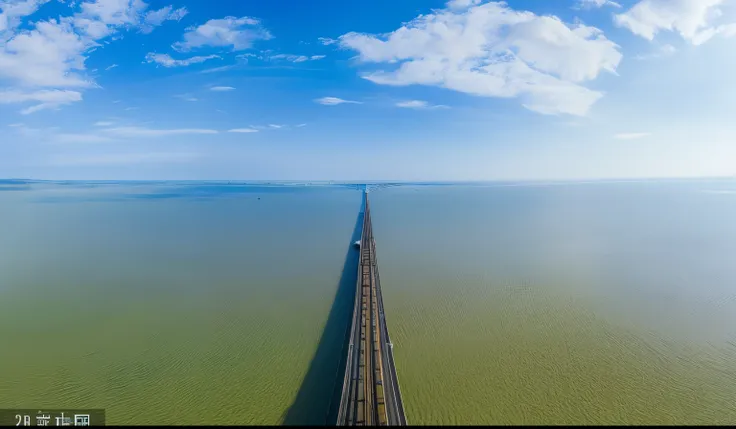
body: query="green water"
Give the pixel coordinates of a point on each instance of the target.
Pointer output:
(561, 305)
(169, 310)
(564, 304)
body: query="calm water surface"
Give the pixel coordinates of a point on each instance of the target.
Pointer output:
(586, 303)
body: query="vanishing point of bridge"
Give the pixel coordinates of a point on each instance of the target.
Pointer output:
(370, 392)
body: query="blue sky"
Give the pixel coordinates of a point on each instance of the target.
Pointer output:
(342, 90)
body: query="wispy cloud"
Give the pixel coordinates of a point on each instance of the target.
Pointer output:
(148, 132)
(420, 104)
(166, 60)
(186, 97)
(29, 132)
(81, 138)
(661, 52)
(631, 136)
(289, 57)
(128, 109)
(125, 158)
(218, 69)
(326, 41)
(272, 127)
(247, 55)
(155, 18)
(720, 191)
(222, 88)
(334, 101)
(294, 58)
(301, 125)
(595, 4)
(243, 130)
(111, 67)
(104, 123)
(46, 99)
(235, 33)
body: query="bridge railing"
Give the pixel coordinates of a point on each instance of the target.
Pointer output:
(346, 385)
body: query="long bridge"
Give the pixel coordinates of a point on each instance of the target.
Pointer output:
(370, 392)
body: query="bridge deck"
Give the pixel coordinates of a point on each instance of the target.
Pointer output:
(370, 394)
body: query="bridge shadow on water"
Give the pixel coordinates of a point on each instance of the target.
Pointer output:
(318, 399)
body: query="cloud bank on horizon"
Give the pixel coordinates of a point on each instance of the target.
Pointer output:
(76, 71)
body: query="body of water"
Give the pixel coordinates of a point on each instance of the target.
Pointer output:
(194, 303)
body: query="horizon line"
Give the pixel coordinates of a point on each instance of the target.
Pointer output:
(368, 182)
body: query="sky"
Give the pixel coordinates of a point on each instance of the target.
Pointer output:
(410, 90)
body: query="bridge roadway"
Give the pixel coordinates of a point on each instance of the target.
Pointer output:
(370, 393)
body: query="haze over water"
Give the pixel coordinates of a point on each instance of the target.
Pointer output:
(169, 303)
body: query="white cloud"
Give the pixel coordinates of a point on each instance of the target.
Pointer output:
(39, 107)
(100, 18)
(11, 13)
(720, 192)
(301, 125)
(249, 55)
(113, 12)
(52, 53)
(103, 123)
(288, 57)
(334, 101)
(81, 138)
(694, 20)
(111, 67)
(420, 104)
(166, 60)
(222, 88)
(217, 69)
(631, 136)
(327, 41)
(154, 18)
(595, 4)
(237, 33)
(124, 158)
(295, 58)
(256, 128)
(462, 4)
(661, 52)
(492, 50)
(187, 97)
(148, 132)
(28, 132)
(47, 99)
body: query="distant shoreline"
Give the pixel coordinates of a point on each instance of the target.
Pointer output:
(362, 183)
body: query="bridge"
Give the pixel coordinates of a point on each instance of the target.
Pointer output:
(370, 392)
